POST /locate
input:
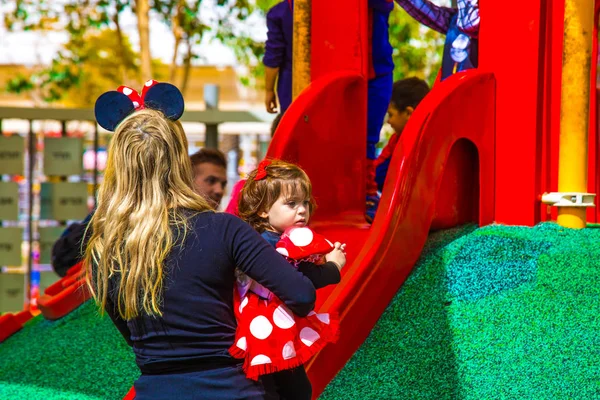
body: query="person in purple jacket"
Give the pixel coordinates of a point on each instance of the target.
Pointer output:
(460, 25)
(379, 92)
(278, 56)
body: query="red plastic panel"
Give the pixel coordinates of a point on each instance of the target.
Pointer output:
(594, 129)
(452, 129)
(511, 47)
(338, 37)
(324, 131)
(65, 295)
(57, 306)
(553, 38)
(553, 20)
(12, 323)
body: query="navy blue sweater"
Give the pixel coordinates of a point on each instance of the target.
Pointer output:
(198, 325)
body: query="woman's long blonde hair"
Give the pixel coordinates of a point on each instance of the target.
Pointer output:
(147, 184)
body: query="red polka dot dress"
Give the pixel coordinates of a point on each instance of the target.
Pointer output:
(269, 336)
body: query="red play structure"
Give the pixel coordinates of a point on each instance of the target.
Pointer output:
(482, 146)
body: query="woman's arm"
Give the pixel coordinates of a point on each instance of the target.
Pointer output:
(119, 322)
(256, 258)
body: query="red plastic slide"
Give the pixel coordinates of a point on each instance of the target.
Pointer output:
(441, 175)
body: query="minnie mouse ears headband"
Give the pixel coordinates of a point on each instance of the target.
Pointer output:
(113, 107)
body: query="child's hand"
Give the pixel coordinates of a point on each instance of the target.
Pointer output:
(337, 255)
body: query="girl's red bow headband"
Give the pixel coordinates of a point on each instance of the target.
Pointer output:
(113, 107)
(261, 172)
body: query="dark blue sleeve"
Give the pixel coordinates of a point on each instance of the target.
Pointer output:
(257, 259)
(385, 6)
(119, 322)
(320, 275)
(69, 249)
(275, 46)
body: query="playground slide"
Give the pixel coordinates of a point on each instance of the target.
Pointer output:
(441, 175)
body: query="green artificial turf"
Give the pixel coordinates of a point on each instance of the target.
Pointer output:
(493, 313)
(81, 356)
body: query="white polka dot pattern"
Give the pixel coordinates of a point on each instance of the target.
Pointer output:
(260, 327)
(324, 318)
(283, 251)
(243, 304)
(283, 317)
(308, 336)
(260, 359)
(242, 343)
(288, 351)
(301, 236)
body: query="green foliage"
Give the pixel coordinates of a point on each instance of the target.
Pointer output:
(81, 67)
(417, 49)
(101, 68)
(190, 27)
(79, 20)
(46, 15)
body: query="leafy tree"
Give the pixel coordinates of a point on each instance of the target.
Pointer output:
(82, 20)
(190, 27)
(142, 11)
(97, 22)
(417, 49)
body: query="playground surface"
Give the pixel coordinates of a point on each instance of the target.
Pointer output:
(496, 312)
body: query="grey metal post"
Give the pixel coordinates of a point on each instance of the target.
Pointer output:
(32, 146)
(211, 99)
(95, 176)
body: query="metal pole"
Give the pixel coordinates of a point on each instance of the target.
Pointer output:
(32, 142)
(211, 99)
(575, 100)
(95, 177)
(301, 46)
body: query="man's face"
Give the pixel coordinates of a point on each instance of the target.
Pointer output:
(210, 181)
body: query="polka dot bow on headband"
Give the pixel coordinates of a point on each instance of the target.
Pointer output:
(113, 107)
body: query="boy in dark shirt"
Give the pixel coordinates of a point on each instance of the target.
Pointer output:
(406, 96)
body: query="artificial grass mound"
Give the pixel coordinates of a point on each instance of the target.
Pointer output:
(492, 313)
(81, 356)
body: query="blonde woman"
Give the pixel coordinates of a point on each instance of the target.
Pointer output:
(161, 263)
